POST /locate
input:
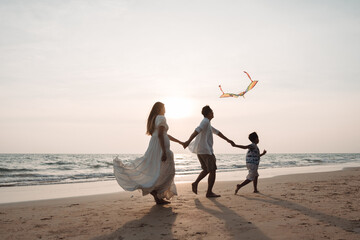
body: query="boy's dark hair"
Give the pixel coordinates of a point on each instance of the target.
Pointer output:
(253, 136)
(206, 110)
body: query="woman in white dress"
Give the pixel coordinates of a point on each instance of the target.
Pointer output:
(154, 172)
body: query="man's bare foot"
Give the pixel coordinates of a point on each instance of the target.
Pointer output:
(237, 188)
(162, 202)
(194, 187)
(212, 195)
(256, 191)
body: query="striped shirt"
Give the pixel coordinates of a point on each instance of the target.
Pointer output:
(253, 155)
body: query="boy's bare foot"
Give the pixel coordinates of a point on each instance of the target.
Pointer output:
(194, 187)
(256, 191)
(237, 188)
(212, 195)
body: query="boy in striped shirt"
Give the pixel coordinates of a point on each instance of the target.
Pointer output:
(252, 161)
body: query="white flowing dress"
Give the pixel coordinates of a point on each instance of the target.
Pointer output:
(149, 173)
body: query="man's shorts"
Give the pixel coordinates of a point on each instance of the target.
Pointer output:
(207, 161)
(253, 171)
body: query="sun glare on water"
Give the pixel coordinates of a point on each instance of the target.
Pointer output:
(178, 107)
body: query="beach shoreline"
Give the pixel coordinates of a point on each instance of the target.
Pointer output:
(70, 190)
(321, 205)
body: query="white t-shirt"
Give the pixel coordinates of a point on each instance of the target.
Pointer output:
(203, 143)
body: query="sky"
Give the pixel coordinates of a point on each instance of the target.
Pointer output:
(81, 76)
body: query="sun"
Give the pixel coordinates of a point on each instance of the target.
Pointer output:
(177, 107)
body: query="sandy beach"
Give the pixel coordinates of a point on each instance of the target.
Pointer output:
(299, 206)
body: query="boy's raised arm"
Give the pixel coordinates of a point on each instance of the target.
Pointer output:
(264, 152)
(242, 146)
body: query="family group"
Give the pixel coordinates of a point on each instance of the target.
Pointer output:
(154, 172)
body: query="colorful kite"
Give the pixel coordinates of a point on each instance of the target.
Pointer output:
(251, 86)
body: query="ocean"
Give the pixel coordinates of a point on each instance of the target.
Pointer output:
(45, 169)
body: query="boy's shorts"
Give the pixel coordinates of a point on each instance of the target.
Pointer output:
(253, 171)
(207, 161)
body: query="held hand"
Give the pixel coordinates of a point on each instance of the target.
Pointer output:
(232, 143)
(186, 144)
(163, 157)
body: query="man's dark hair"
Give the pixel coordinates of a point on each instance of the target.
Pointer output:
(206, 110)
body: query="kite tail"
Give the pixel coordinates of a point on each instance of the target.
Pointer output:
(248, 75)
(221, 89)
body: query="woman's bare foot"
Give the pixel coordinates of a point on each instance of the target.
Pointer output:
(212, 195)
(194, 187)
(237, 188)
(157, 200)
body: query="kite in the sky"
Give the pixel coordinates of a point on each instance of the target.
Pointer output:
(251, 86)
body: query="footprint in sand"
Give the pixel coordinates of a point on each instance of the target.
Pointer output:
(72, 205)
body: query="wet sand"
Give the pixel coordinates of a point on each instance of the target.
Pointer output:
(299, 206)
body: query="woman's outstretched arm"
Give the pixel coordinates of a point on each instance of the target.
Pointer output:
(175, 140)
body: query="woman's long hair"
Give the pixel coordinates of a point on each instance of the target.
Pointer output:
(156, 109)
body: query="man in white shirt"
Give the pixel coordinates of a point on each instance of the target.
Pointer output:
(203, 147)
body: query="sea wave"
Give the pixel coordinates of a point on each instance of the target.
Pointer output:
(9, 170)
(39, 169)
